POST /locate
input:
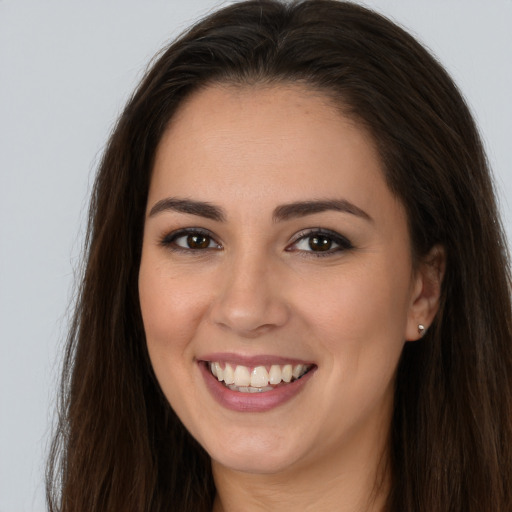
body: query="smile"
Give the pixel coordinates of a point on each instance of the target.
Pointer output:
(258, 379)
(254, 384)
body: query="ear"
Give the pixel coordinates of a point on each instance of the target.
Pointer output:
(426, 293)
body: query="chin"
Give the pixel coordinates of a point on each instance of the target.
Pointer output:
(254, 455)
(256, 465)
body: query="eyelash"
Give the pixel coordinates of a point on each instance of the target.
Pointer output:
(169, 241)
(343, 243)
(331, 237)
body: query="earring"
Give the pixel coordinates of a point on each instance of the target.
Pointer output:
(421, 329)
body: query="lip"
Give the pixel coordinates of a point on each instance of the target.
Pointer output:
(251, 402)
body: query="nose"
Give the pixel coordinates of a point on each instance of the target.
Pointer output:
(250, 301)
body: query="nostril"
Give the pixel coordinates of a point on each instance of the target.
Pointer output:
(245, 331)
(249, 315)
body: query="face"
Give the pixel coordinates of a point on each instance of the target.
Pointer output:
(275, 256)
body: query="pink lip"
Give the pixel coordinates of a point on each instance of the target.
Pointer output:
(252, 402)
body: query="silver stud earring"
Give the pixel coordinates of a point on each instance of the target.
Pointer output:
(421, 329)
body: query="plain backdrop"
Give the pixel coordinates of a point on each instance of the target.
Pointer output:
(66, 69)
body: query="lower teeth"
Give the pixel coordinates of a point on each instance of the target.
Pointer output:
(249, 389)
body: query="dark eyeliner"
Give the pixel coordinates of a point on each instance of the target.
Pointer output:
(343, 242)
(168, 240)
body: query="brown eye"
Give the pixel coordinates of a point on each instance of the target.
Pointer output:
(198, 241)
(320, 243)
(190, 240)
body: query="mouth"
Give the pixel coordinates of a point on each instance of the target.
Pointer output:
(260, 383)
(256, 379)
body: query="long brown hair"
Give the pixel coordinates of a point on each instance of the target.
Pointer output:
(119, 445)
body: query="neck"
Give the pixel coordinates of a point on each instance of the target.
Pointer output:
(360, 483)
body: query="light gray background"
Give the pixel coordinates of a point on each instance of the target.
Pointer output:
(66, 69)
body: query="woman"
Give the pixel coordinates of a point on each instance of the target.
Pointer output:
(296, 293)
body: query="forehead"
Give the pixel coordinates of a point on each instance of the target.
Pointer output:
(289, 137)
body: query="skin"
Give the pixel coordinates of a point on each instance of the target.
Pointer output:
(256, 289)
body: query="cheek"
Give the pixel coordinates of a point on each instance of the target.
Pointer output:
(172, 306)
(171, 303)
(362, 317)
(360, 325)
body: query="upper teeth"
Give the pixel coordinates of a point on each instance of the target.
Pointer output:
(257, 377)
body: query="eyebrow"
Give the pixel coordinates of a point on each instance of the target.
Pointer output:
(199, 208)
(281, 213)
(303, 208)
